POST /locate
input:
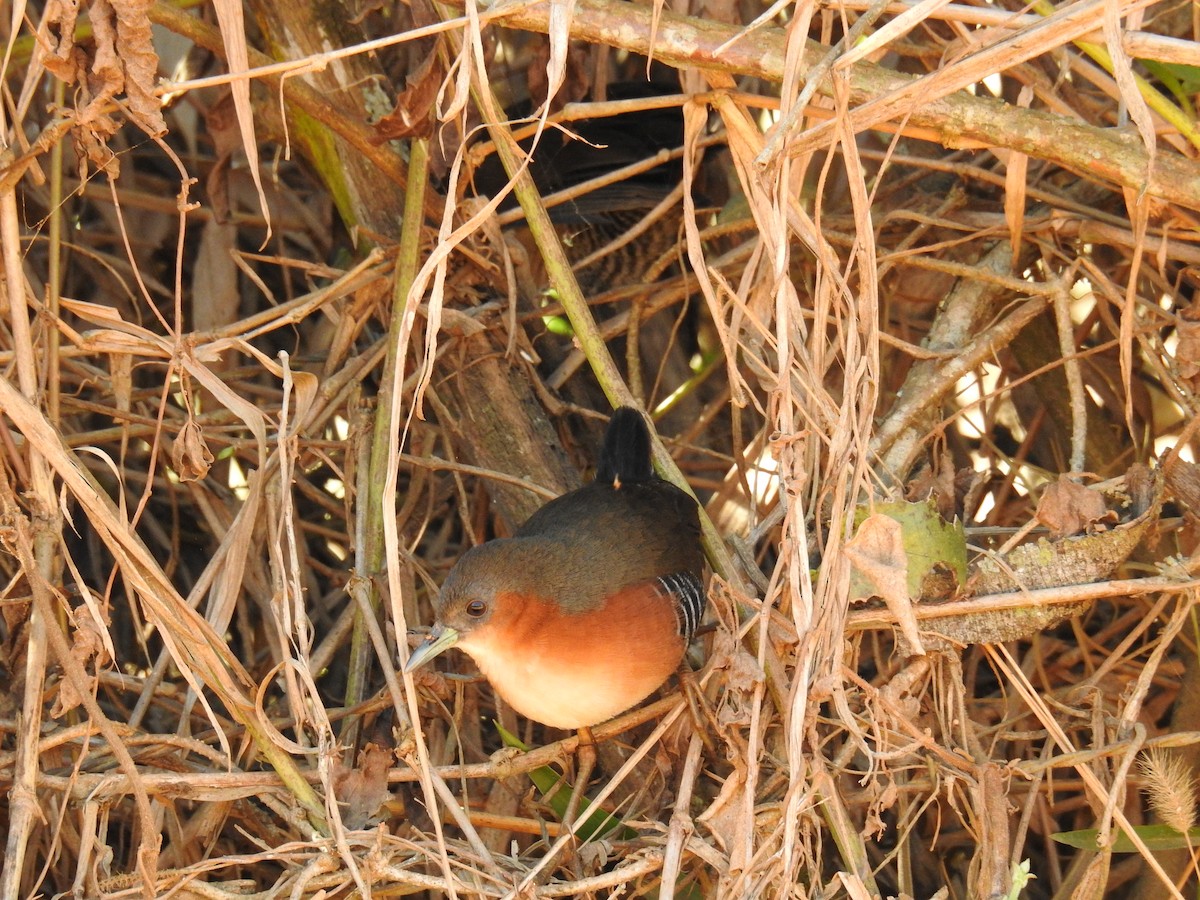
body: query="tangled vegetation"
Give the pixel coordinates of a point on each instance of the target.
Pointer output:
(290, 320)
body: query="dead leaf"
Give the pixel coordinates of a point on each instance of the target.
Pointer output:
(882, 796)
(1140, 486)
(902, 692)
(362, 790)
(190, 455)
(222, 123)
(1183, 485)
(56, 35)
(88, 650)
(130, 54)
(935, 550)
(724, 817)
(935, 480)
(231, 20)
(119, 59)
(877, 552)
(413, 114)
(742, 675)
(215, 293)
(595, 854)
(1067, 508)
(1187, 352)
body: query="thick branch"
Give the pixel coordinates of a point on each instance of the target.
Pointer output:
(960, 119)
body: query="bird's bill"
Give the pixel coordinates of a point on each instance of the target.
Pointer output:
(440, 638)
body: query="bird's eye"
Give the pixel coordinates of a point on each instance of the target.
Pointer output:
(476, 608)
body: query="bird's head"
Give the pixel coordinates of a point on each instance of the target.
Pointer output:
(471, 602)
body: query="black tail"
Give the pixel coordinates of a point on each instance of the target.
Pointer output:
(626, 454)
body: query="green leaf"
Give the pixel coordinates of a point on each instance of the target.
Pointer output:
(1181, 80)
(545, 779)
(1187, 76)
(1156, 837)
(1020, 878)
(559, 325)
(931, 544)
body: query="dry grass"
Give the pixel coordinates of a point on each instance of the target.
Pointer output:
(252, 413)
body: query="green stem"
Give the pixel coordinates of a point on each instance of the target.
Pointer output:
(587, 333)
(372, 507)
(1155, 99)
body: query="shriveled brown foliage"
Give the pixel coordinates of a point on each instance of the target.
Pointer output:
(277, 349)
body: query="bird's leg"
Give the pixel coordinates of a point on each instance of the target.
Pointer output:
(699, 711)
(585, 751)
(585, 754)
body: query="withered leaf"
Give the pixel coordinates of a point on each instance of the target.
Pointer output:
(56, 34)
(190, 455)
(1068, 508)
(119, 58)
(1141, 487)
(363, 790)
(1183, 485)
(87, 646)
(877, 552)
(134, 46)
(413, 113)
(1187, 352)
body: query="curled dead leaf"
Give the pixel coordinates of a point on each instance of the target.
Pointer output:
(877, 552)
(88, 650)
(137, 60)
(190, 455)
(1183, 485)
(413, 114)
(1068, 507)
(56, 35)
(362, 790)
(1187, 351)
(120, 58)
